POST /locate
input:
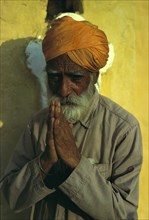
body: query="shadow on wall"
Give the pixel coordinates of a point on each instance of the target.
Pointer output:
(19, 100)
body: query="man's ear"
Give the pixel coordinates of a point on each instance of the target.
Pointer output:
(95, 77)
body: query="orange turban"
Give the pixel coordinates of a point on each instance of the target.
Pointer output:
(84, 43)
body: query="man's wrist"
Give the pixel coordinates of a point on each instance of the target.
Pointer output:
(57, 174)
(45, 165)
(74, 163)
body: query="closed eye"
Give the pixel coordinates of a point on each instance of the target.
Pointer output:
(54, 77)
(76, 78)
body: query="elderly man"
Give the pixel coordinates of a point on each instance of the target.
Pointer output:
(81, 157)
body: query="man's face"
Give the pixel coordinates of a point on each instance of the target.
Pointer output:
(72, 85)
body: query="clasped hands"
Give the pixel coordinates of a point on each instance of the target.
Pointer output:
(60, 143)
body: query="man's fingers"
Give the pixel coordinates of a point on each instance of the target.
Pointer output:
(71, 126)
(51, 127)
(51, 142)
(52, 109)
(56, 124)
(57, 109)
(50, 138)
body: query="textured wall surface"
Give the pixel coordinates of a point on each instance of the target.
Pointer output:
(126, 25)
(19, 90)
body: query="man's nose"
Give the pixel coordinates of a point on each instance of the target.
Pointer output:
(66, 88)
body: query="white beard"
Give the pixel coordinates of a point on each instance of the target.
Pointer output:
(75, 107)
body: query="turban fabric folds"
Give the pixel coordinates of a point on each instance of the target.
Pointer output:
(84, 43)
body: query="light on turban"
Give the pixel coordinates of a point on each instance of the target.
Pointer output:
(84, 43)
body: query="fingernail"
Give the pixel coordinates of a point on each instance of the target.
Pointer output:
(52, 120)
(71, 125)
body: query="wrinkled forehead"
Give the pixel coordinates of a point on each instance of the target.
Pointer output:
(64, 64)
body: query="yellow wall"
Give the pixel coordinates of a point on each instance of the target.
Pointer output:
(126, 25)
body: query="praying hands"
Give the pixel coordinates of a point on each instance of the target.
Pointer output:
(60, 142)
